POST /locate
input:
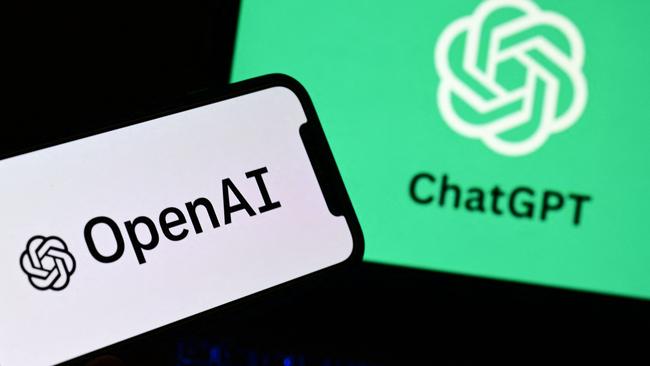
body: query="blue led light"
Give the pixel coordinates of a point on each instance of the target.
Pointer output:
(287, 361)
(215, 355)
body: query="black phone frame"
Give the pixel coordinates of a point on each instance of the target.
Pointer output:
(318, 152)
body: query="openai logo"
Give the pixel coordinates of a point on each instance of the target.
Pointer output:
(511, 75)
(47, 263)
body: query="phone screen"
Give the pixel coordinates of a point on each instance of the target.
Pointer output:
(110, 236)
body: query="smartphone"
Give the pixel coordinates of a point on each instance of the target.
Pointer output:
(111, 235)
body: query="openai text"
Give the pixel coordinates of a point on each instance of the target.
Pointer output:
(176, 224)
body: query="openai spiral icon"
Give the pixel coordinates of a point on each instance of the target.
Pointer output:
(511, 75)
(47, 263)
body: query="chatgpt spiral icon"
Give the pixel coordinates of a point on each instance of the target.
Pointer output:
(47, 263)
(511, 75)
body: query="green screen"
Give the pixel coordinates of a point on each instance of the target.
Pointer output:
(505, 139)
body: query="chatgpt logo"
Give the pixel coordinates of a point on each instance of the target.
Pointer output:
(47, 263)
(511, 75)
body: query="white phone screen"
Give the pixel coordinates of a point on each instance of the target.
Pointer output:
(123, 232)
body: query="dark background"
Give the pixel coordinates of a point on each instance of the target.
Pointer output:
(76, 67)
(73, 69)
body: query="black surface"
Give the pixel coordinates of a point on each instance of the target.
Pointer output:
(376, 314)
